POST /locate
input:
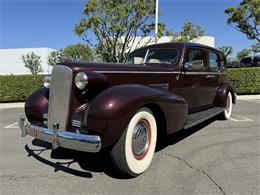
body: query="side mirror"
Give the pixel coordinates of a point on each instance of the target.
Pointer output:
(187, 65)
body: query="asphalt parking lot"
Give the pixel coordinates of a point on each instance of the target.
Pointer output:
(216, 157)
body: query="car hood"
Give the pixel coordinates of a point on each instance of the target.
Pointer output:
(116, 67)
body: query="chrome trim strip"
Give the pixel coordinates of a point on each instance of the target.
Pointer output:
(162, 85)
(146, 55)
(76, 123)
(155, 72)
(203, 73)
(75, 141)
(143, 72)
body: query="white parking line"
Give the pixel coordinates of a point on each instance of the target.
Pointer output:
(239, 118)
(12, 126)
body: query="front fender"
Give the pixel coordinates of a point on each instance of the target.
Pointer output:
(37, 104)
(110, 112)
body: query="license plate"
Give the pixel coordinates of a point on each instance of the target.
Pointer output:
(34, 132)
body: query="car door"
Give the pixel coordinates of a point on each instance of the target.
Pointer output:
(212, 77)
(194, 87)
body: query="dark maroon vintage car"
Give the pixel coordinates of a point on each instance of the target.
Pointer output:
(160, 89)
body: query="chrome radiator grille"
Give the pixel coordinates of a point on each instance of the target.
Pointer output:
(59, 98)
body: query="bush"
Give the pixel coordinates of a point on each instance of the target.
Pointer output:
(16, 88)
(245, 80)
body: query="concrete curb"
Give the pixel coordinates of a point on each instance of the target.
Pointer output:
(21, 104)
(11, 105)
(248, 97)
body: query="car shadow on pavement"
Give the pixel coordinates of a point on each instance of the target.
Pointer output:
(100, 162)
(182, 134)
(88, 162)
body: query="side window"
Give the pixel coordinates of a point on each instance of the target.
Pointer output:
(213, 61)
(164, 56)
(136, 58)
(196, 58)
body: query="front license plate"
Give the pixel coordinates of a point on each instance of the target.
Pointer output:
(34, 132)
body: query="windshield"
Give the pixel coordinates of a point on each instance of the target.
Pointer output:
(154, 56)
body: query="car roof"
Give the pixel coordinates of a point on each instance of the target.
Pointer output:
(176, 44)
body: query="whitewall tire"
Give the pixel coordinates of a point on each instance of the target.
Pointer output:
(227, 113)
(133, 153)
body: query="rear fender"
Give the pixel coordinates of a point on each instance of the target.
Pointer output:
(110, 112)
(222, 93)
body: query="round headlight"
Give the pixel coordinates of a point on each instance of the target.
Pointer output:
(47, 81)
(81, 80)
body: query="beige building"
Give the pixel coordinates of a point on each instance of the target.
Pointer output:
(11, 62)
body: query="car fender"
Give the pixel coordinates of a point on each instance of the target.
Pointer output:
(37, 104)
(110, 112)
(222, 93)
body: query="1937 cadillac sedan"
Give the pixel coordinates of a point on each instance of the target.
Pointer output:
(160, 89)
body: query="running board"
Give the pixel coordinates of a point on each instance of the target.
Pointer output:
(198, 117)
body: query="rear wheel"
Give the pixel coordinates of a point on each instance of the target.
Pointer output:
(133, 152)
(227, 113)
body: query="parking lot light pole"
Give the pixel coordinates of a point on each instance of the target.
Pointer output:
(156, 20)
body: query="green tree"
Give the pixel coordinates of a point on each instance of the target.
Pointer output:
(226, 50)
(77, 52)
(115, 24)
(246, 18)
(243, 53)
(189, 32)
(255, 48)
(54, 57)
(32, 62)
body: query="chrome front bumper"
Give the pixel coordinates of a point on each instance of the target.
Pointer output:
(61, 138)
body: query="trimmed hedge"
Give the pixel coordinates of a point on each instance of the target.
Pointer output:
(16, 88)
(245, 80)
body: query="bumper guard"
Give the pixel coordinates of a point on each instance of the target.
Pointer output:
(61, 138)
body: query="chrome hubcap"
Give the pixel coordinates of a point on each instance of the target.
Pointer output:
(141, 139)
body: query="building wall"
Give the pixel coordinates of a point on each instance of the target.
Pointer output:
(11, 62)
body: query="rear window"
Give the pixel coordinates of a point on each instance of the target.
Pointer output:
(213, 61)
(223, 62)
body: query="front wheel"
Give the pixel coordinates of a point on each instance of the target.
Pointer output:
(227, 112)
(133, 153)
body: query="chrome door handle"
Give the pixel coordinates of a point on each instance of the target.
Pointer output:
(210, 76)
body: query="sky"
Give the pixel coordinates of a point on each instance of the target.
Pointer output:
(49, 23)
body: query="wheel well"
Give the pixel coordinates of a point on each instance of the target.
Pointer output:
(160, 119)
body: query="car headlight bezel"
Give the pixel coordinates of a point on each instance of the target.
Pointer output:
(81, 80)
